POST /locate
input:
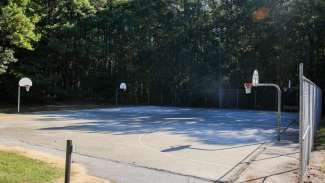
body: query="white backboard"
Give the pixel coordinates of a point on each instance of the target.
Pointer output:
(23, 82)
(255, 79)
(123, 86)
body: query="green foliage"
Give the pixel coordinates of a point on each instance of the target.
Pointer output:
(17, 30)
(83, 8)
(168, 49)
(6, 57)
(17, 27)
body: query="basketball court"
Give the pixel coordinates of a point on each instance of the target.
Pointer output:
(211, 144)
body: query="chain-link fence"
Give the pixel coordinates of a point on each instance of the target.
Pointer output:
(310, 114)
(259, 99)
(236, 98)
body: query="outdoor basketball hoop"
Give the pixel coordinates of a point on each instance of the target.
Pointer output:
(123, 86)
(26, 83)
(256, 83)
(255, 78)
(248, 87)
(27, 88)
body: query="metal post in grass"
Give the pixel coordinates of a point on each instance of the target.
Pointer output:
(255, 83)
(68, 161)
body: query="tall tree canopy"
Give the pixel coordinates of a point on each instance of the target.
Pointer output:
(167, 51)
(17, 29)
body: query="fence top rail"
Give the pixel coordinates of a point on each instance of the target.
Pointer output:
(309, 81)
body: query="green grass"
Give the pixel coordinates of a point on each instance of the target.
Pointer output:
(19, 169)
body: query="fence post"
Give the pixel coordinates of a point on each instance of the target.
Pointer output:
(237, 98)
(68, 161)
(301, 171)
(148, 96)
(255, 105)
(220, 98)
(116, 96)
(161, 99)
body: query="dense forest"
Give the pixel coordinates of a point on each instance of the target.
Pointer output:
(178, 52)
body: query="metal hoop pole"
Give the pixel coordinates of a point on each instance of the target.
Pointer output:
(18, 107)
(279, 104)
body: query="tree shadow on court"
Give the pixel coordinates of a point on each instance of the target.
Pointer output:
(208, 126)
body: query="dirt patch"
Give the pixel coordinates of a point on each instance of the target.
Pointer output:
(316, 172)
(264, 170)
(79, 173)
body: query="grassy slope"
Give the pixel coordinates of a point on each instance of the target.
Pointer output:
(17, 169)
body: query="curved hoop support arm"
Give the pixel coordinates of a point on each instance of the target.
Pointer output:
(279, 103)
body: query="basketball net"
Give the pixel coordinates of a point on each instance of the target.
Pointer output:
(248, 87)
(27, 88)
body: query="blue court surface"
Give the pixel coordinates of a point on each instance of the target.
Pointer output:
(209, 126)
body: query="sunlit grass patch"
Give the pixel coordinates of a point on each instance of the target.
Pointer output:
(17, 169)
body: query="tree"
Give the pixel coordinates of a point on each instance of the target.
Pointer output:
(168, 51)
(17, 30)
